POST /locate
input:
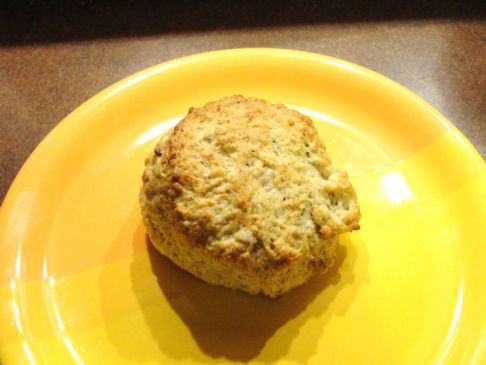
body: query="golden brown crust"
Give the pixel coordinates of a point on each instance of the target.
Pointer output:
(247, 184)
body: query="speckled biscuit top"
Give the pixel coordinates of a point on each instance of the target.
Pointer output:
(250, 181)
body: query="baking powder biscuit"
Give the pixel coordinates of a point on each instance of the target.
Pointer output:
(242, 193)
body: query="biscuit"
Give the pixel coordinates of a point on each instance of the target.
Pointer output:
(242, 193)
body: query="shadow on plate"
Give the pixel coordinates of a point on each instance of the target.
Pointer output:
(237, 326)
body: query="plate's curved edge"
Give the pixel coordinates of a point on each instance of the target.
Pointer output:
(274, 52)
(142, 75)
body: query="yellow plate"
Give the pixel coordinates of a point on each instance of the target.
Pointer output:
(78, 283)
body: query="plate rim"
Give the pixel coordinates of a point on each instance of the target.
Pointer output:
(140, 76)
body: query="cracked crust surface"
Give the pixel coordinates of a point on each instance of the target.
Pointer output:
(242, 193)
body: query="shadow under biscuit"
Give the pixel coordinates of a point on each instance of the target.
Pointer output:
(233, 324)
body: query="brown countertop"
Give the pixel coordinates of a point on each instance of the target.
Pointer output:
(51, 60)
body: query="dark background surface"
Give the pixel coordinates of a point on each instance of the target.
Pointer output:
(56, 54)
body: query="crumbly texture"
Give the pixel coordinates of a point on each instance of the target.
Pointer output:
(242, 193)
